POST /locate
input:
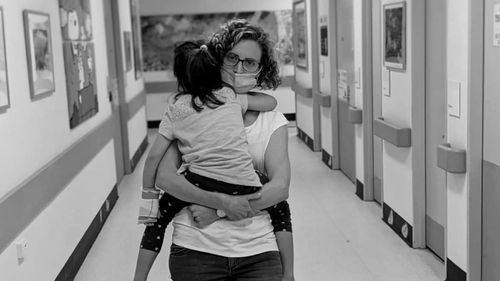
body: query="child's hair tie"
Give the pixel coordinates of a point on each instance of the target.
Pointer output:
(203, 47)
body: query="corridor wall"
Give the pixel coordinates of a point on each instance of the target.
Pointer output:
(57, 184)
(404, 167)
(156, 82)
(304, 77)
(457, 132)
(135, 94)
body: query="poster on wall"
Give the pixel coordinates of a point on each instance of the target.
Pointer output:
(4, 81)
(39, 53)
(79, 60)
(323, 33)
(496, 25)
(394, 25)
(136, 37)
(127, 38)
(300, 34)
(161, 33)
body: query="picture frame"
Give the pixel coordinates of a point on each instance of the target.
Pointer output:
(136, 38)
(127, 45)
(394, 33)
(300, 34)
(4, 79)
(39, 53)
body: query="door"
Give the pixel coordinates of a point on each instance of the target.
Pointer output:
(377, 98)
(435, 124)
(110, 18)
(345, 83)
(491, 146)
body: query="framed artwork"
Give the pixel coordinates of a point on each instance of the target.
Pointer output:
(300, 34)
(76, 20)
(161, 33)
(79, 60)
(39, 53)
(4, 80)
(136, 37)
(127, 38)
(81, 81)
(394, 25)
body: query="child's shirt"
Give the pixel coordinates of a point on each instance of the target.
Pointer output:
(213, 141)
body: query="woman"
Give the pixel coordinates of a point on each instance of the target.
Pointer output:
(249, 244)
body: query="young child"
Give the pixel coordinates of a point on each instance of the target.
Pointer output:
(205, 118)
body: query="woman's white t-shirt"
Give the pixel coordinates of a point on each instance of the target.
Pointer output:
(235, 238)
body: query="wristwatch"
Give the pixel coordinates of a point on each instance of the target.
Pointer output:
(221, 213)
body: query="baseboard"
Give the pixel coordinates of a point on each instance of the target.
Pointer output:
(138, 154)
(402, 228)
(326, 158)
(153, 124)
(360, 190)
(75, 261)
(290, 116)
(453, 272)
(305, 138)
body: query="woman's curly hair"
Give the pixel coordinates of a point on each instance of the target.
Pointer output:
(236, 30)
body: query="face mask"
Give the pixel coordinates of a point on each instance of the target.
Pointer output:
(241, 82)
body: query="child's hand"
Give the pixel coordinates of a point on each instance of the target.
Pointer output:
(149, 206)
(202, 216)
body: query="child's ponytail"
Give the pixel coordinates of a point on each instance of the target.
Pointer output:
(198, 73)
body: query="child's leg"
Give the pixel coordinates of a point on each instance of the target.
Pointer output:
(282, 224)
(152, 239)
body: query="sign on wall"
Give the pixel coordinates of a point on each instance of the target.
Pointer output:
(496, 25)
(323, 35)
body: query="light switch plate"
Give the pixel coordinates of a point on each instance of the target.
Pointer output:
(454, 98)
(386, 82)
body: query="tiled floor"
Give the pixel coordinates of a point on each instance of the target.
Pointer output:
(337, 236)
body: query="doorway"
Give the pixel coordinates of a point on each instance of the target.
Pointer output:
(491, 151)
(115, 85)
(345, 85)
(435, 124)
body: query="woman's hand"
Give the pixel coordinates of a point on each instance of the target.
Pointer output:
(202, 215)
(237, 207)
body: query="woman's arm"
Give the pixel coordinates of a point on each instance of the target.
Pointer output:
(277, 165)
(235, 207)
(261, 102)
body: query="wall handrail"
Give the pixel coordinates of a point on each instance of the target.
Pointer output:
(400, 137)
(324, 100)
(450, 159)
(355, 115)
(302, 91)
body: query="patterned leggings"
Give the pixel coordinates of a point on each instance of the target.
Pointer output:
(170, 206)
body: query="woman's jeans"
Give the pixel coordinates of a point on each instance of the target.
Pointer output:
(190, 265)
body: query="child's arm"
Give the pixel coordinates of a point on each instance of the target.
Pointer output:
(261, 102)
(158, 149)
(149, 204)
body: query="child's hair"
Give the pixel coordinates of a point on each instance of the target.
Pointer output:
(198, 73)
